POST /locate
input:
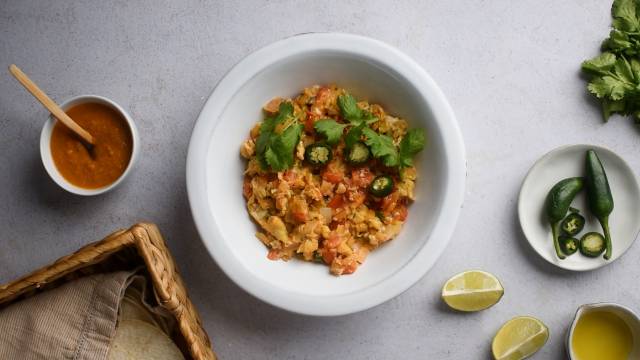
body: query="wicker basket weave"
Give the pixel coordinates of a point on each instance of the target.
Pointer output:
(125, 249)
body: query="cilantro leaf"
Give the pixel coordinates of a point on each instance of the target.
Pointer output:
(609, 86)
(368, 117)
(352, 112)
(620, 42)
(625, 15)
(382, 147)
(279, 155)
(266, 131)
(411, 144)
(331, 129)
(623, 69)
(349, 107)
(635, 68)
(353, 135)
(610, 107)
(600, 65)
(272, 149)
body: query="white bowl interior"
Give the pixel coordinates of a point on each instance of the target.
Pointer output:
(567, 162)
(366, 79)
(45, 146)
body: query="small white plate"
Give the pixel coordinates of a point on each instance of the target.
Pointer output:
(569, 161)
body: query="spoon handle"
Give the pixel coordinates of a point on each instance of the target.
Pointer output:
(50, 104)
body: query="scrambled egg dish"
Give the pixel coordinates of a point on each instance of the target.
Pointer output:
(329, 178)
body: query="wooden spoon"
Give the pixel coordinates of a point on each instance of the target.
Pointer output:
(53, 108)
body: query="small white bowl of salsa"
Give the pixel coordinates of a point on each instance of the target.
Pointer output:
(79, 169)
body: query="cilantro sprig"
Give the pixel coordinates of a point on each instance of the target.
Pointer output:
(331, 129)
(280, 134)
(278, 138)
(352, 112)
(615, 74)
(411, 144)
(381, 145)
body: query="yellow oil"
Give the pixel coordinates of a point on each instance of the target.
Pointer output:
(600, 335)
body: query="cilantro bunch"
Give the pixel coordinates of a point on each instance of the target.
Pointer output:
(615, 74)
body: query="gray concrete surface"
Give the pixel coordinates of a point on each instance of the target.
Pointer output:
(510, 70)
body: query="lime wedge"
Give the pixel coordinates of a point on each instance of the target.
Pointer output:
(472, 291)
(519, 338)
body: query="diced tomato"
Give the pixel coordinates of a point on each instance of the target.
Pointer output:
(362, 177)
(299, 208)
(332, 176)
(273, 105)
(289, 176)
(299, 216)
(323, 96)
(310, 122)
(246, 188)
(390, 202)
(333, 241)
(273, 254)
(333, 172)
(336, 202)
(328, 255)
(350, 268)
(339, 218)
(400, 213)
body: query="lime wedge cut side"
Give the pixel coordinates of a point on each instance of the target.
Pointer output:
(519, 338)
(472, 291)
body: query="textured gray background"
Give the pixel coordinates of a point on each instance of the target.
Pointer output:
(509, 68)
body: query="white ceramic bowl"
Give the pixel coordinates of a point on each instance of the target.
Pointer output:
(568, 161)
(45, 147)
(370, 70)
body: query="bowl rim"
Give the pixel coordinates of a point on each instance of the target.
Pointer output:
(527, 178)
(454, 161)
(47, 158)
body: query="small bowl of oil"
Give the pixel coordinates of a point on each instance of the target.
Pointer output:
(604, 331)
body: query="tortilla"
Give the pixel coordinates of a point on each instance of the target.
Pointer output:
(138, 340)
(131, 308)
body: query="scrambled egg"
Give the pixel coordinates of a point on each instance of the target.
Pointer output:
(325, 214)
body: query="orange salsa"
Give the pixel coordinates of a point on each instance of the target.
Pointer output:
(108, 158)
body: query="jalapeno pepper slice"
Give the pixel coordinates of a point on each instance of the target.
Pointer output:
(592, 244)
(381, 186)
(569, 245)
(318, 154)
(572, 224)
(358, 153)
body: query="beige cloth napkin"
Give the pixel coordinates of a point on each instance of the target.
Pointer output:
(76, 320)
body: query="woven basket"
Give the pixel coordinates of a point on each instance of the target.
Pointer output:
(125, 249)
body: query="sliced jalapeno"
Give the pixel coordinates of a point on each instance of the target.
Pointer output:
(557, 204)
(317, 154)
(381, 186)
(568, 244)
(358, 153)
(572, 224)
(592, 244)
